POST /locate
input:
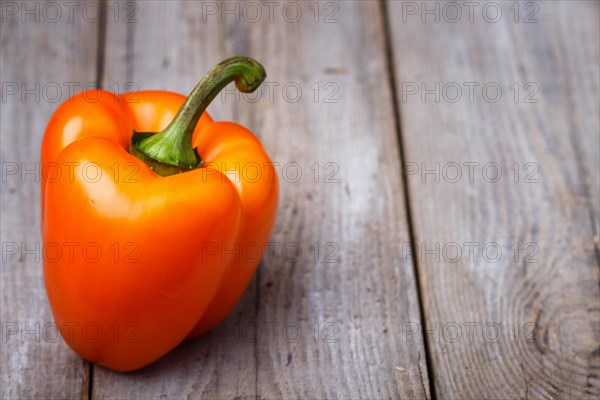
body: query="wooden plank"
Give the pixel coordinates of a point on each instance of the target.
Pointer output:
(370, 292)
(352, 212)
(525, 325)
(44, 53)
(138, 56)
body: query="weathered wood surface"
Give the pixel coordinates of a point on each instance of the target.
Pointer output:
(365, 305)
(39, 62)
(545, 299)
(352, 212)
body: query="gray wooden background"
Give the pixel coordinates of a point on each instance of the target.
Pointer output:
(447, 211)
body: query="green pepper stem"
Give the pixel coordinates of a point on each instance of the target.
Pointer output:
(170, 151)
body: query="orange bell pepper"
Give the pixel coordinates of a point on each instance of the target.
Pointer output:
(145, 235)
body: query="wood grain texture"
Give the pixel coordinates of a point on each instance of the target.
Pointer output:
(370, 292)
(325, 329)
(167, 46)
(547, 311)
(334, 309)
(41, 58)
